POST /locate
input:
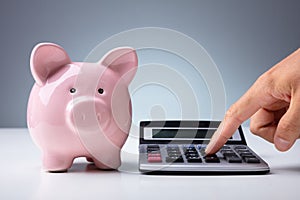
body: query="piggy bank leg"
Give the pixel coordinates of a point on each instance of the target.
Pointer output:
(56, 163)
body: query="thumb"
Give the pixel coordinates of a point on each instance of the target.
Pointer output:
(288, 129)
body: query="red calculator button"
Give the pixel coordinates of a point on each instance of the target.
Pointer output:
(154, 159)
(153, 154)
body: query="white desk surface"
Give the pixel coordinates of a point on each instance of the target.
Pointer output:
(21, 176)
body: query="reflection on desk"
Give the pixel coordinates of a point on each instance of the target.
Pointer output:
(23, 178)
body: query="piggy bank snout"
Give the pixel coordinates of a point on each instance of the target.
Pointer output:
(88, 114)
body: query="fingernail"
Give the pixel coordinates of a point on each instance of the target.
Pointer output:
(281, 144)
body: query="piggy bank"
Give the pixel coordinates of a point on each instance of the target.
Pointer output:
(80, 109)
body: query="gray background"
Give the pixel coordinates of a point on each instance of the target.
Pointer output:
(244, 38)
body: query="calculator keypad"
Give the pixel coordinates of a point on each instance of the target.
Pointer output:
(196, 154)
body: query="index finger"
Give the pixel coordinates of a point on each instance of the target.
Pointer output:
(240, 111)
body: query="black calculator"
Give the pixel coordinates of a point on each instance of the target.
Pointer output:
(179, 147)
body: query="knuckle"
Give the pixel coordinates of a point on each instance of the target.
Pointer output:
(267, 76)
(287, 126)
(266, 81)
(232, 114)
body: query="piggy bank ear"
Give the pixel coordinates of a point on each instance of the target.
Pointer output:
(122, 60)
(45, 60)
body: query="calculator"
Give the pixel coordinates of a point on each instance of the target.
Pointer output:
(178, 147)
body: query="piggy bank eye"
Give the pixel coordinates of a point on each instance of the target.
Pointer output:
(72, 90)
(100, 91)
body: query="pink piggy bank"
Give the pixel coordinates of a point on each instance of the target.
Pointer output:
(80, 109)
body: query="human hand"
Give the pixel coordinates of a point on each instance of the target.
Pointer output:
(274, 104)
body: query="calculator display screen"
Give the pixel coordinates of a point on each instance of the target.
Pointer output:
(183, 133)
(170, 133)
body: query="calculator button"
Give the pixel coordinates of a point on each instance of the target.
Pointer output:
(154, 154)
(189, 148)
(240, 147)
(190, 151)
(192, 155)
(233, 159)
(173, 151)
(172, 148)
(212, 158)
(153, 146)
(226, 151)
(194, 160)
(174, 159)
(152, 159)
(246, 154)
(229, 155)
(225, 148)
(174, 155)
(151, 150)
(251, 160)
(243, 151)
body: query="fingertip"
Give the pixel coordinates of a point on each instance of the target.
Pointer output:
(215, 144)
(281, 144)
(208, 148)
